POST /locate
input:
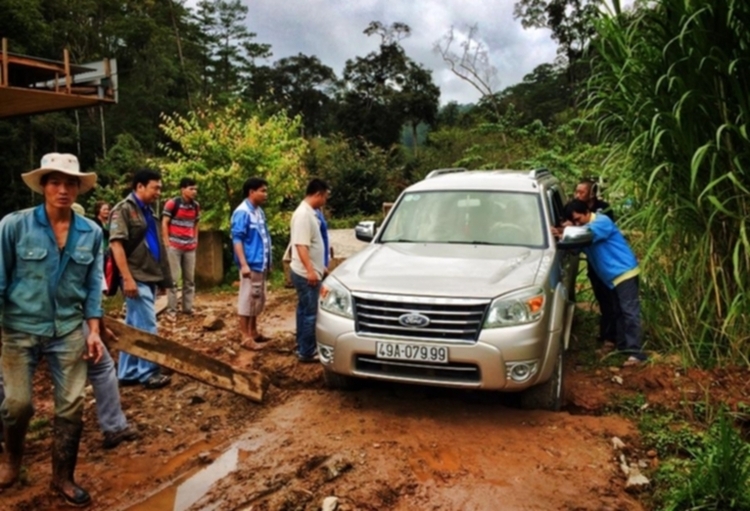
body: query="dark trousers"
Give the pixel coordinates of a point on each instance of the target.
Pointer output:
(628, 313)
(605, 298)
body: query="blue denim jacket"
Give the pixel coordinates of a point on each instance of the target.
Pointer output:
(44, 290)
(249, 228)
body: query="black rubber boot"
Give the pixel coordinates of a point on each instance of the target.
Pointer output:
(67, 437)
(10, 466)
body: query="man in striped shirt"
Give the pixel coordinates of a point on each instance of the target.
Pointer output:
(180, 230)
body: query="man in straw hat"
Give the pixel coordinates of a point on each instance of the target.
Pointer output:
(50, 284)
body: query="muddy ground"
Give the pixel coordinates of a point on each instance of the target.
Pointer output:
(385, 447)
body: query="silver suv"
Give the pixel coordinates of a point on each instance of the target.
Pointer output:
(462, 286)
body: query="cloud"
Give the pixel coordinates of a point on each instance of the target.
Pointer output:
(332, 30)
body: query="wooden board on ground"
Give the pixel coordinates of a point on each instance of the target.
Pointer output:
(184, 360)
(160, 304)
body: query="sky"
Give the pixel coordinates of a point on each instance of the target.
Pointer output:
(333, 31)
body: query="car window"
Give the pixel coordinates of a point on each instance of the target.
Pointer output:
(556, 207)
(449, 216)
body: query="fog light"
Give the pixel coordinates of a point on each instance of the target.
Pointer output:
(520, 371)
(325, 353)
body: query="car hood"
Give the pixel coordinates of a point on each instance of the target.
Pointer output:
(436, 269)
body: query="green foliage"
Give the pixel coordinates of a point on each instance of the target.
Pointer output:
(221, 147)
(541, 95)
(669, 92)
(718, 476)
(300, 85)
(115, 172)
(361, 177)
(669, 435)
(385, 90)
(229, 49)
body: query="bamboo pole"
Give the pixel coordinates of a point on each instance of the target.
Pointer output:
(4, 80)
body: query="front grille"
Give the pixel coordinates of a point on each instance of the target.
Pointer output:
(450, 320)
(449, 373)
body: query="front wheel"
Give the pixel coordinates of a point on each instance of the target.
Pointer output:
(547, 395)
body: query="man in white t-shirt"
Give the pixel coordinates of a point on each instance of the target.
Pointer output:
(308, 266)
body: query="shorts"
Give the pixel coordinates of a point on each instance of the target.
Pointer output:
(252, 296)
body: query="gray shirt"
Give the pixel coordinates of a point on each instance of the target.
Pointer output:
(305, 230)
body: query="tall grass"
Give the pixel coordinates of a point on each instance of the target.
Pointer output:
(718, 478)
(670, 92)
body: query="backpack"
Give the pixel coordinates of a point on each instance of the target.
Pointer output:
(176, 207)
(111, 274)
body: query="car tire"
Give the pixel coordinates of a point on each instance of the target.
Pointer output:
(340, 381)
(547, 395)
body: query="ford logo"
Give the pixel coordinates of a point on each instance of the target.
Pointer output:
(414, 320)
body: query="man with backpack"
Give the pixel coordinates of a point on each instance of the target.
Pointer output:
(180, 230)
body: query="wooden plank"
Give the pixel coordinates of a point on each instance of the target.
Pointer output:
(66, 60)
(161, 302)
(184, 360)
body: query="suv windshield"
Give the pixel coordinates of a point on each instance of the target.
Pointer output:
(468, 217)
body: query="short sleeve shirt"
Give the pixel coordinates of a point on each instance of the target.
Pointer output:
(305, 230)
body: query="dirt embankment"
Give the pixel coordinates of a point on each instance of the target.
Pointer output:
(380, 448)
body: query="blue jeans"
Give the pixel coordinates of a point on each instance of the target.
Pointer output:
(106, 392)
(627, 308)
(21, 355)
(307, 310)
(141, 314)
(103, 378)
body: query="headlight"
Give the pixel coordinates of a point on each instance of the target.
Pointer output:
(516, 309)
(335, 298)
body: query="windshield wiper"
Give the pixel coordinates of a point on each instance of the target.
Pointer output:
(471, 243)
(400, 240)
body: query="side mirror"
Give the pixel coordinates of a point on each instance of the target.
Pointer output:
(365, 231)
(575, 237)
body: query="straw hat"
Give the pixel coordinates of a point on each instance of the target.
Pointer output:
(56, 162)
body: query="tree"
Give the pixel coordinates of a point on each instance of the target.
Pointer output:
(385, 90)
(541, 95)
(300, 85)
(571, 23)
(230, 51)
(471, 63)
(220, 147)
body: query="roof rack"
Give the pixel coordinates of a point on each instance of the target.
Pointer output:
(537, 173)
(440, 172)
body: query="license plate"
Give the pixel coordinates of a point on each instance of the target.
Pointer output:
(411, 351)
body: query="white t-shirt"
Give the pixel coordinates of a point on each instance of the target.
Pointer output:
(305, 230)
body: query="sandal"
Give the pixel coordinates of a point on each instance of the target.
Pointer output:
(157, 381)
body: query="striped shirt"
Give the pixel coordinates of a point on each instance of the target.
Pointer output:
(184, 217)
